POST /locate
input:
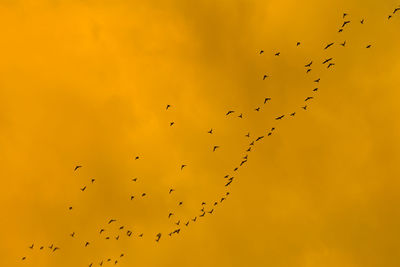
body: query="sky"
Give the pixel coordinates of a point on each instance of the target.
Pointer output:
(87, 83)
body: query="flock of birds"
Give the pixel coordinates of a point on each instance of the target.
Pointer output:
(228, 179)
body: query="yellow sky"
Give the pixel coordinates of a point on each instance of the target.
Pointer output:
(87, 82)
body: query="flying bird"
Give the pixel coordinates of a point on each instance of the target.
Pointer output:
(298, 43)
(330, 64)
(345, 23)
(308, 70)
(111, 221)
(343, 44)
(215, 147)
(292, 114)
(168, 106)
(328, 45)
(83, 189)
(229, 112)
(344, 15)
(265, 76)
(278, 54)
(93, 180)
(315, 89)
(87, 244)
(362, 21)
(210, 131)
(308, 65)
(31, 247)
(266, 99)
(183, 166)
(309, 98)
(305, 107)
(317, 80)
(240, 116)
(327, 60)
(158, 236)
(257, 109)
(368, 46)
(171, 123)
(171, 190)
(77, 167)
(261, 51)
(280, 117)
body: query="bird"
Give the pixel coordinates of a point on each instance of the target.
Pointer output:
(298, 43)
(87, 244)
(241, 115)
(180, 203)
(368, 46)
(308, 65)
(340, 30)
(327, 60)
(259, 138)
(77, 167)
(23, 258)
(117, 237)
(83, 189)
(158, 236)
(137, 157)
(229, 112)
(31, 247)
(247, 135)
(70, 208)
(343, 44)
(269, 134)
(389, 16)
(252, 144)
(187, 224)
(194, 219)
(249, 149)
(280, 117)
(178, 222)
(170, 214)
(93, 180)
(344, 15)
(330, 64)
(305, 107)
(134, 179)
(121, 255)
(101, 231)
(309, 98)
(55, 248)
(266, 99)
(143, 194)
(308, 70)
(41, 247)
(73, 234)
(202, 215)
(328, 45)
(265, 76)
(215, 147)
(51, 247)
(278, 54)
(128, 233)
(235, 169)
(315, 89)
(210, 131)
(345, 23)
(183, 166)
(122, 227)
(395, 10)
(211, 211)
(171, 190)
(111, 221)
(243, 162)
(168, 106)
(228, 183)
(292, 114)
(257, 109)
(317, 80)
(171, 123)
(362, 21)
(203, 203)
(261, 51)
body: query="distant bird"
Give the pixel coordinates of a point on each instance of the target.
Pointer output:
(31, 247)
(168, 106)
(77, 167)
(327, 60)
(330, 65)
(344, 15)
(132, 197)
(143, 194)
(171, 123)
(121, 255)
(23, 258)
(51, 247)
(41, 247)
(265, 76)
(83, 189)
(241, 115)
(141, 235)
(128, 233)
(111, 221)
(257, 109)
(278, 54)
(340, 30)
(308, 70)
(70, 208)
(266, 99)
(292, 114)
(305, 107)
(247, 135)
(328, 45)
(171, 190)
(137, 157)
(73, 234)
(390, 16)
(93, 180)
(317, 80)
(396, 9)
(122, 227)
(178, 222)
(343, 44)
(249, 149)
(298, 43)
(134, 179)
(315, 89)
(345, 23)
(368, 46)
(228, 183)
(309, 98)
(87, 244)
(187, 224)
(158, 236)
(259, 138)
(269, 134)
(235, 169)
(211, 211)
(261, 51)
(202, 215)
(215, 147)
(180, 203)
(170, 214)
(362, 21)
(194, 219)
(210, 131)
(280, 117)
(183, 166)
(308, 65)
(229, 112)
(203, 203)
(56, 248)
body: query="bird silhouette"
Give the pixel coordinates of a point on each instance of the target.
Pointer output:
(137, 157)
(143, 194)
(315, 89)
(72, 234)
(77, 167)
(215, 147)
(317, 80)
(55, 248)
(280, 117)
(93, 180)
(158, 236)
(328, 45)
(171, 190)
(265, 76)
(278, 54)
(257, 109)
(247, 135)
(308, 65)
(180, 203)
(343, 44)
(292, 114)
(327, 60)
(345, 23)
(241, 115)
(171, 123)
(308, 70)
(23, 258)
(31, 247)
(395, 10)
(309, 98)
(170, 214)
(259, 138)
(183, 166)
(111, 221)
(368, 46)
(101, 231)
(266, 99)
(229, 112)
(298, 43)
(305, 107)
(344, 15)
(168, 106)
(330, 65)
(340, 30)
(134, 179)
(362, 21)
(83, 189)
(87, 244)
(261, 51)
(187, 224)
(210, 131)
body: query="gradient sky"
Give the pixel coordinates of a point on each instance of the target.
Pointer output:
(87, 82)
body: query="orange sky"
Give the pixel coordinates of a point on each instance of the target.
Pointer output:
(87, 82)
